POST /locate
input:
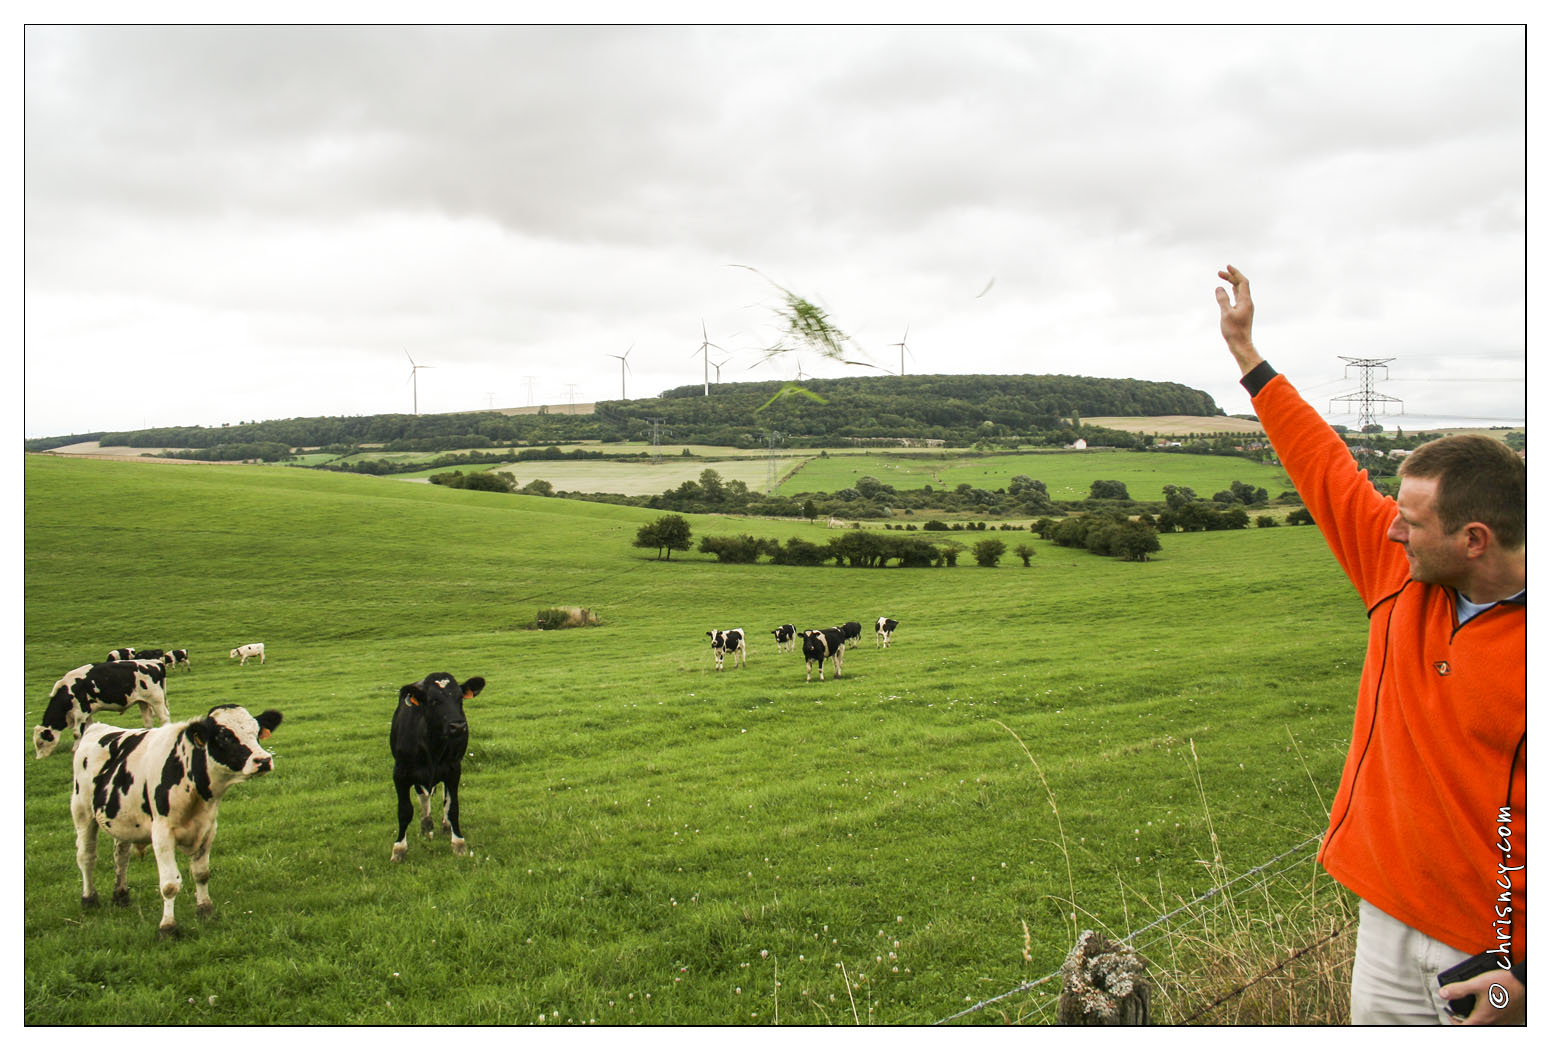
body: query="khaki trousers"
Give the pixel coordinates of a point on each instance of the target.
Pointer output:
(1395, 974)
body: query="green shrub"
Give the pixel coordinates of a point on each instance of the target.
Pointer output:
(989, 552)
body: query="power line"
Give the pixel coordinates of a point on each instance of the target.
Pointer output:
(1458, 379)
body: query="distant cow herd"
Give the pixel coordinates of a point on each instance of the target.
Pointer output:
(818, 644)
(161, 786)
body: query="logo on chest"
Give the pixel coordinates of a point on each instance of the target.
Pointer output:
(1442, 667)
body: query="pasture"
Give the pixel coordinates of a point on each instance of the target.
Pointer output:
(652, 841)
(1066, 474)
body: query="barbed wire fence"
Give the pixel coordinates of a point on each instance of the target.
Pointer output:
(1214, 896)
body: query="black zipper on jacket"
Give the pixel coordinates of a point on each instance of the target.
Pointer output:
(1378, 688)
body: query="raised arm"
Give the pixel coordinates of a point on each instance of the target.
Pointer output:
(1237, 316)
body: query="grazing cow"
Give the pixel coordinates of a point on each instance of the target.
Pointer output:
(178, 657)
(729, 641)
(886, 631)
(786, 638)
(819, 643)
(852, 630)
(429, 736)
(124, 654)
(252, 649)
(150, 655)
(162, 788)
(111, 686)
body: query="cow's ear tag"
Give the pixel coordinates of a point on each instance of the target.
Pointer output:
(468, 695)
(263, 733)
(412, 699)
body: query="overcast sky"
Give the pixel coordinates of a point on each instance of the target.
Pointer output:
(229, 224)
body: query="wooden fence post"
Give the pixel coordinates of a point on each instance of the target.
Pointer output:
(1103, 983)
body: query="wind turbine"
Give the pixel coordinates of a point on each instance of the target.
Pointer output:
(717, 365)
(903, 348)
(705, 351)
(623, 365)
(414, 378)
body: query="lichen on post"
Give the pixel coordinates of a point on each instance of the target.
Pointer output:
(1103, 983)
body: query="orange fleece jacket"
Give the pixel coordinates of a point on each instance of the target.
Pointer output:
(1428, 823)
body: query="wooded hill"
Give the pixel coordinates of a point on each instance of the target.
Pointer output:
(958, 410)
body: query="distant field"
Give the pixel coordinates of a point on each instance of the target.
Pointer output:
(1175, 425)
(654, 842)
(1067, 475)
(629, 479)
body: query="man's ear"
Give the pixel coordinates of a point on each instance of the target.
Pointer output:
(1478, 539)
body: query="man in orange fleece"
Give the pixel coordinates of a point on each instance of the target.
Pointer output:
(1427, 827)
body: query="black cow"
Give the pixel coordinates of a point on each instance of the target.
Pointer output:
(729, 641)
(110, 686)
(786, 637)
(429, 736)
(885, 629)
(852, 630)
(819, 643)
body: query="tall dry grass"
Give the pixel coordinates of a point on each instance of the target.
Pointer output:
(1271, 946)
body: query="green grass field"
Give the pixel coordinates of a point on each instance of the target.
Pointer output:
(1067, 475)
(654, 842)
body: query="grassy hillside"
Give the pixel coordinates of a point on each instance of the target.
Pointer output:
(654, 842)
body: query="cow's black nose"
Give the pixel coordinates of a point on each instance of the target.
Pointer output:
(265, 766)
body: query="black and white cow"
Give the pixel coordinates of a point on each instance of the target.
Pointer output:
(852, 631)
(251, 649)
(885, 629)
(429, 737)
(151, 655)
(178, 657)
(162, 788)
(729, 641)
(111, 686)
(786, 638)
(819, 643)
(124, 654)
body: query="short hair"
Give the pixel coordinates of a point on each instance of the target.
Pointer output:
(1479, 480)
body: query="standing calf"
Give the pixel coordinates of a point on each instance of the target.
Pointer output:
(729, 641)
(429, 736)
(251, 649)
(885, 629)
(162, 788)
(819, 643)
(786, 637)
